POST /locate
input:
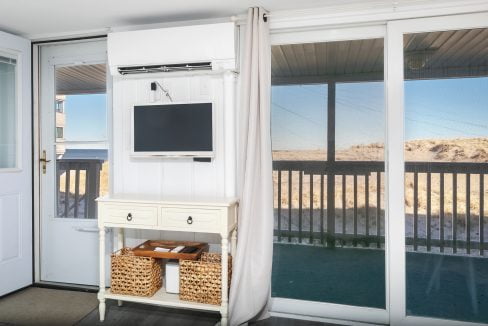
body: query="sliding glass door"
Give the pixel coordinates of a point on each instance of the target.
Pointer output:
(446, 154)
(380, 183)
(328, 137)
(442, 275)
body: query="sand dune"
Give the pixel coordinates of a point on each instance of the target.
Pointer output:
(430, 150)
(438, 150)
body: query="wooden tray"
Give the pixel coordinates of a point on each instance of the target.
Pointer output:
(147, 249)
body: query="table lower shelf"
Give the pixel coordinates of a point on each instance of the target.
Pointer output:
(163, 298)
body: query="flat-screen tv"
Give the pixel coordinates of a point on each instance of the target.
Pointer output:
(173, 130)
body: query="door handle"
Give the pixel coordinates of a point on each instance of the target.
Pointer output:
(44, 161)
(80, 229)
(91, 230)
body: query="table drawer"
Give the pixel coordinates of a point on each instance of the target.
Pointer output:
(191, 220)
(129, 214)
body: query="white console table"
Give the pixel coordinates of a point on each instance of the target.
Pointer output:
(205, 215)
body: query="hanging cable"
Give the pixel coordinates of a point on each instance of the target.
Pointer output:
(163, 90)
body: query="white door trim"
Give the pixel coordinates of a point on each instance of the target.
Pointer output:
(35, 157)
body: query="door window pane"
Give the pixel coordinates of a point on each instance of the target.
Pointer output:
(446, 153)
(81, 140)
(328, 167)
(8, 113)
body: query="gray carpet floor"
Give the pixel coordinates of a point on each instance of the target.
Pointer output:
(39, 306)
(131, 314)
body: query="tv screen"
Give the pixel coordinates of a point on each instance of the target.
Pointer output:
(173, 128)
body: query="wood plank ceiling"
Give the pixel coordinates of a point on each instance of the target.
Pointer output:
(81, 79)
(445, 54)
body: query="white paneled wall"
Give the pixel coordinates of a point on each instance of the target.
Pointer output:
(166, 176)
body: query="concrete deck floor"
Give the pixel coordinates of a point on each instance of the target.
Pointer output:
(441, 286)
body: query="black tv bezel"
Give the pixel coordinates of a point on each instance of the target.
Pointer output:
(173, 154)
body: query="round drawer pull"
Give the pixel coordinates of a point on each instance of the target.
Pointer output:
(189, 220)
(129, 217)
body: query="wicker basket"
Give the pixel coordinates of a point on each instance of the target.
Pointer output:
(135, 275)
(201, 280)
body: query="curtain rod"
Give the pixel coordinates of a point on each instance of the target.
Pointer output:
(347, 8)
(241, 19)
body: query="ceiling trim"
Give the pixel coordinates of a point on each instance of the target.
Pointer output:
(104, 31)
(358, 14)
(355, 15)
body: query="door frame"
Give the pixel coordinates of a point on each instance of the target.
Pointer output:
(322, 310)
(395, 144)
(36, 125)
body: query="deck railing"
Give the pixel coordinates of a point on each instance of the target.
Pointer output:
(80, 203)
(330, 178)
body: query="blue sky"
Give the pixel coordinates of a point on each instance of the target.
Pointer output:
(86, 117)
(449, 108)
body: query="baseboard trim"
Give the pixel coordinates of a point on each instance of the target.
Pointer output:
(320, 319)
(66, 286)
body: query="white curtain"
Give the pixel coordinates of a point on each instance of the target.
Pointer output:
(251, 279)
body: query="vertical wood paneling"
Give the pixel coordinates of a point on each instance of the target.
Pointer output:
(159, 176)
(482, 215)
(441, 212)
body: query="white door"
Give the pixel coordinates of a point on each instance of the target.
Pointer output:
(73, 120)
(15, 164)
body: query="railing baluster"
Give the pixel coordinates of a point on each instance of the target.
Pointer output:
(87, 190)
(300, 191)
(366, 205)
(59, 167)
(429, 211)
(66, 191)
(343, 204)
(482, 213)
(454, 212)
(355, 242)
(378, 209)
(415, 210)
(93, 177)
(77, 190)
(279, 205)
(290, 174)
(311, 208)
(331, 241)
(468, 213)
(441, 211)
(322, 208)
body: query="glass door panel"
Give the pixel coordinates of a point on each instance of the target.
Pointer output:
(446, 154)
(328, 167)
